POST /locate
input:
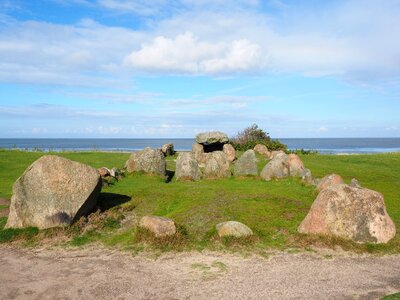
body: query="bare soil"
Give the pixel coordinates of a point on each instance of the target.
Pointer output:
(97, 273)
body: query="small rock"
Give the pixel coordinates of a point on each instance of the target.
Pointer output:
(354, 183)
(148, 160)
(246, 165)
(233, 228)
(329, 180)
(352, 213)
(160, 226)
(187, 168)
(263, 150)
(217, 166)
(168, 149)
(229, 152)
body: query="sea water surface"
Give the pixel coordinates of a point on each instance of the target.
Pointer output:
(325, 145)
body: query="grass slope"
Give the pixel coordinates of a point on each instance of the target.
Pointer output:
(272, 209)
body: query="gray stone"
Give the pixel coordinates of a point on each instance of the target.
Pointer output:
(276, 153)
(233, 228)
(276, 168)
(168, 149)
(148, 160)
(212, 137)
(246, 165)
(353, 213)
(187, 168)
(53, 191)
(217, 166)
(159, 226)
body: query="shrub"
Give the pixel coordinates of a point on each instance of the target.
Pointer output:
(252, 136)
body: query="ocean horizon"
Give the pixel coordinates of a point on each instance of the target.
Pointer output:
(322, 145)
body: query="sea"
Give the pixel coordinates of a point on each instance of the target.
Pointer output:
(322, 145)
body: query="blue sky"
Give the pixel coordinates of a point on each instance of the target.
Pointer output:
(135, 68)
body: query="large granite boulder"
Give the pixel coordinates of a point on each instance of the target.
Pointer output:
(212, 137)
(263, 150)
(168, 149)
(159, 226)
(229, 152)
(246, 165)
(295, 165)
(53, 191)
(276, 168)
(233, 228)
(187, 168)
(276, 153)
(349, 212)
(217, 166)
(328, 181)
(148, 160)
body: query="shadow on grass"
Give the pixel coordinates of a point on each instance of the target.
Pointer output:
(107, 201)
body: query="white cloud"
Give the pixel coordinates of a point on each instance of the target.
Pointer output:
(187, 54)
(354, 40)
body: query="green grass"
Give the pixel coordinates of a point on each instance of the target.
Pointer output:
(273, 210)
(392, 297)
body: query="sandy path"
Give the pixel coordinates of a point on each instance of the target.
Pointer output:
(105, 274)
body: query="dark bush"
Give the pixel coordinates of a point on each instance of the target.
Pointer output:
(252, 136)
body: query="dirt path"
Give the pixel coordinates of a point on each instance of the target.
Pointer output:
(104, 274)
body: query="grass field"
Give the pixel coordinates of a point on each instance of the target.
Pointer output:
(273, 210)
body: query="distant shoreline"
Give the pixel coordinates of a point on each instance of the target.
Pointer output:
(342, 146)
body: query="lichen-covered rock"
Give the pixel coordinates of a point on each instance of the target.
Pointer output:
(263, 150)
(217, 166)
(349, 212)
(53, 191)
(159, 226)
(168, 149)
(212, 137)
(187, 168)
(148, 160)
(233, 228)
(276, 168)
(296, 166)
(229, 152)
(246, 165)
(328, 181)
